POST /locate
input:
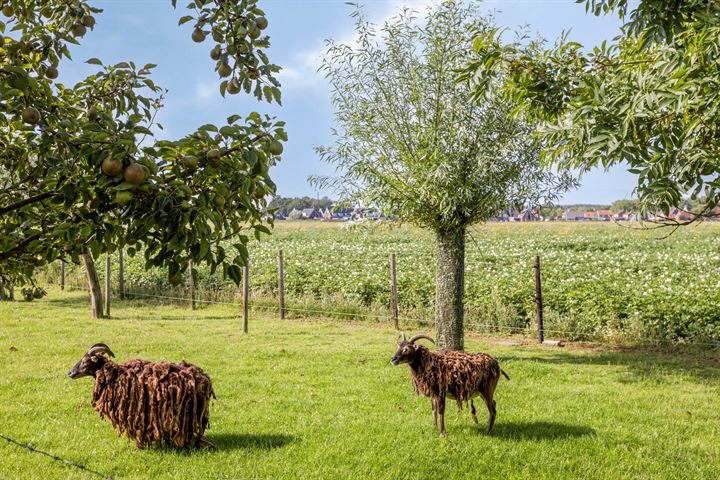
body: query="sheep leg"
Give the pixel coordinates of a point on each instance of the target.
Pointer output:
(435, 413)
(491, 408)
(473, 412)
(441, 410)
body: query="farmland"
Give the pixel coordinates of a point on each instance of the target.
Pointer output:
(600, 281)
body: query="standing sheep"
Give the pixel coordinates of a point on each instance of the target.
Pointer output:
(151, 402)
(452, 374)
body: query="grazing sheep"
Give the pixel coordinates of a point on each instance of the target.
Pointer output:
(151, 402)
(447, 373)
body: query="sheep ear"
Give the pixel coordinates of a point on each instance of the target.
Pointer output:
(401, 338)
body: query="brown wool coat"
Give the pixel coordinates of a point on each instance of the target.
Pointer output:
(457, 375)
(154, 402)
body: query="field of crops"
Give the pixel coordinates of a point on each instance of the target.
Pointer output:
(600, 281)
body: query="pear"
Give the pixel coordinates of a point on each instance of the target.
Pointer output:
(31, 115)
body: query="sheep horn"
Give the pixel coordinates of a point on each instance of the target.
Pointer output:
(100, 348)
(421, 336)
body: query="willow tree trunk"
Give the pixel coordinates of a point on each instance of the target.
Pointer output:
(450, 288)
(96, 300)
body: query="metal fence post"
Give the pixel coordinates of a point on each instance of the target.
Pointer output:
(393, 288)
(107, 285)
(538, 300)
(281, 283)
(246, 294)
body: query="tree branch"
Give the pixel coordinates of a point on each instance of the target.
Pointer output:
(27, 201)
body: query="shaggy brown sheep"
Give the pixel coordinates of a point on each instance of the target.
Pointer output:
(452, 374)
(151, 402)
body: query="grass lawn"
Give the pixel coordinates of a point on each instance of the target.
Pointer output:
(301, 399)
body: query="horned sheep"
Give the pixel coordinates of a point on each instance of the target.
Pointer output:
(150, 402)
(450, 374)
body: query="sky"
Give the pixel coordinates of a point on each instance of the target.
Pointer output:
(146, 31)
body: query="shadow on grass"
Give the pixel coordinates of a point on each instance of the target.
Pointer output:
(540, 430)
(249, 441)
(640, 365)
(67, 301)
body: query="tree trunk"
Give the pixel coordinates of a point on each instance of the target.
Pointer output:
(450, 288)
(96, 300)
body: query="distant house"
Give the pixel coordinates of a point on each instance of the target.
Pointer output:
(683, 216)
(514, 215)
(530, 215)
(622, 215)
(502, 217)
(279, 216)
(357, 214)
(677, 215)
(342, 213)
(604, 214)
(590, 216)
(572, 215)
(310, 214)
(326, 215)
(714, 214)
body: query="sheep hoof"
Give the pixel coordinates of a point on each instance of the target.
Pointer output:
(443, 434)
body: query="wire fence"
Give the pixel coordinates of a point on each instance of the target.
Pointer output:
(66, 462)
(268, 294)
(404, 321)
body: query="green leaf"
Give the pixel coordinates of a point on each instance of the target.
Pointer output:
(234, 273)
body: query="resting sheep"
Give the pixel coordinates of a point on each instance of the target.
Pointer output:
(151, 402)
(446, 373)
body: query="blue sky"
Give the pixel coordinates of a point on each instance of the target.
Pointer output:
(146, 31)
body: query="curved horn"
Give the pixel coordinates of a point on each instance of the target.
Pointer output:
(419, 337)
(100, 348)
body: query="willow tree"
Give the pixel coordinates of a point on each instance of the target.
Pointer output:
(411, 141)
(79, 172)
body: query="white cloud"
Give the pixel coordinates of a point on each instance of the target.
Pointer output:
(205, 91)
(302, 71)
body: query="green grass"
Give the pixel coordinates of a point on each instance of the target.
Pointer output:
(301, 399)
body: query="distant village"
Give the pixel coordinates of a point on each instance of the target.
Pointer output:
(291, 209)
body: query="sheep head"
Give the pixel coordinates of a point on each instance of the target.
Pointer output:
(91, 362)
(407, 349)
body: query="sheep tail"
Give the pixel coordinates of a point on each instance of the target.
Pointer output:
(503, 372)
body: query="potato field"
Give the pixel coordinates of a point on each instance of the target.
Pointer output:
(600, 281)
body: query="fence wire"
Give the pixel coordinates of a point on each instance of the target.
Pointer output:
(525, 330)
(55, 457)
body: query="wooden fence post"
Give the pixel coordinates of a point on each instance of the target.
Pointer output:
(538, 300)
(107, 285)
(393, 288)
(191, 284)
(62, 274)
(281, 283)
(121, 273)
(245, 294)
